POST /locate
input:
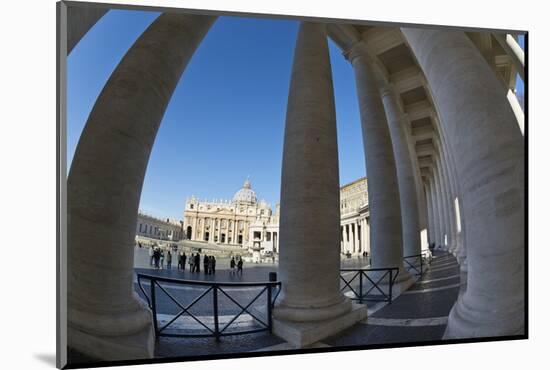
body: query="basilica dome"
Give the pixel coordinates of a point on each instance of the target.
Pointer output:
(245, 194)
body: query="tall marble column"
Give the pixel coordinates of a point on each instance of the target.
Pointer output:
(482, 132)
(405, 176)
(446, 218)
(356, 236)
(435, 209)
(385, 209)
(430, 214)
(310, 186)
(106, 319)
(439, 207)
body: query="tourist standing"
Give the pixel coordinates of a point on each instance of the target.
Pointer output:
(151, 253)
(213, 260)
(156, 257)
(198, 262)
(205, 264)
(192, 263)
(184, 257)
(169, 260)
(232, 264)
(162, 258)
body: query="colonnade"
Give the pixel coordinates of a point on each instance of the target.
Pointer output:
(231, 228)
(478, 161)
(355, 235)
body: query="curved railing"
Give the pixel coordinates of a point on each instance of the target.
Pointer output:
(210, 324)
(416, 263)
(381, 285)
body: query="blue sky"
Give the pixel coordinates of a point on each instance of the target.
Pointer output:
(226, 118)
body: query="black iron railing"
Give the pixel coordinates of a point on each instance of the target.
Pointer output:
(370, 288)
(214, 328)
(416, 263)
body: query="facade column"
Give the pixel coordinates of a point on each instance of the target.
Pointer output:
(194, 229)
(106, 318)
(383, 189)
(355, 237)
(405, 176)
(310, 186)
(483, 134)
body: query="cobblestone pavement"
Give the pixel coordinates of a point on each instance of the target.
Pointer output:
(417, 315)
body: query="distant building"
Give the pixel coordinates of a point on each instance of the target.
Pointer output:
(239, 221)
(156, 228)
(354, 217)
(244, 221)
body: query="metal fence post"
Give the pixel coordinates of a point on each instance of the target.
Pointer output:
(361, 286)
(391, 285)
(269, 318)
(154, 305)
(216, 322)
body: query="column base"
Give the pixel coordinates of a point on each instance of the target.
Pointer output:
(113, 336)
(140, 345)
(468, 323)
(302, 334)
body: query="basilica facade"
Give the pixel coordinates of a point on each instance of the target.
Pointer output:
(242, 220)
(247, 222)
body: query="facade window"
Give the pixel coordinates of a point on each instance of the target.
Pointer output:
(268, 237)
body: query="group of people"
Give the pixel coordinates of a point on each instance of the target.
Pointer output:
(208, 263)
(157, 257)
(238, 263)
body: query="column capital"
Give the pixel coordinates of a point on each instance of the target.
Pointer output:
(359, 49)
(387, 88)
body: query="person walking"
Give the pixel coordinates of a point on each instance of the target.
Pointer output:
(213, 261)
(151, 253)
(232, 265)
(240, 265)
(192, 263)
(198, 262)
(156, 257)
(205, 264)
(169, 260)
(183, 259)
(162, 258)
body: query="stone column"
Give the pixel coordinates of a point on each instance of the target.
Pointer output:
(310, 186)
(80, 19)
(449, 200)
(106, 318)
(430, 214)
(483, 135)
(440, 218)
(435, 209)
(405, 176)
(356, 236)
(194, 230)
(385, 210)
(443, 186)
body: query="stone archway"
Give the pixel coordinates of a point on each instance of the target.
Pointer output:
(106, 319)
